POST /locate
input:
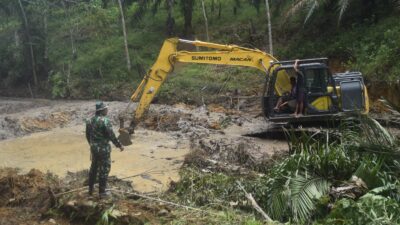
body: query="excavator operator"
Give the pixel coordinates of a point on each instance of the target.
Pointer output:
(289, 99)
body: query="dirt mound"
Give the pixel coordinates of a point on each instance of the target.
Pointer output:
(114, 211)
(33, 189)
(16, 126)
(164, 121)
(221, 109)
(38, 198)
(237, 153)
(45, 122)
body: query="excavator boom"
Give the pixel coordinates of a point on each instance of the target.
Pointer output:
(169, 55)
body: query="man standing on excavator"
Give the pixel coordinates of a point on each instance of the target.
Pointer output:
(300, 90)
(99, 133)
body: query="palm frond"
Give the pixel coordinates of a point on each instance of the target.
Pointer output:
(311, 10)
(310, 5)
(297, 6)
(303, 191)
(278, 202)
(368, 171)
(375, 133)
(295, 196)
(343, 5)
(393, 110)
(388, 190)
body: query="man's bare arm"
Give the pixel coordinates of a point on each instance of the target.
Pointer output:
(296, 65)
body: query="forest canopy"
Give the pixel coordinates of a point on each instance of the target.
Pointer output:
(76, 49)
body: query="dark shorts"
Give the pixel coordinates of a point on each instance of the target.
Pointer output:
(300, 96)
(286, 98)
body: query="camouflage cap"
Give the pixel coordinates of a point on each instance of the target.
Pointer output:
(100, 106)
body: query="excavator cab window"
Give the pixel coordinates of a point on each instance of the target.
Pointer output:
(316, 80)
(279, 90)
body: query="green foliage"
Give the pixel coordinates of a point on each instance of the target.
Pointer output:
(89, 37)
(369, 209)
(377, 52)
(303, 191)
(294, 188)
(367, 47)
(106, 217)
(59, 85)
(226, 216)
(294, 197)
(198, 84)
(203, 189)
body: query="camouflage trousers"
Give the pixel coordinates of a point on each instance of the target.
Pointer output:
(101, 165)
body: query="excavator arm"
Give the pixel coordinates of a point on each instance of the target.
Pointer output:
(220, 55)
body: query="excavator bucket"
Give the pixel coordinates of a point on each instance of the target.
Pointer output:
(124, 137)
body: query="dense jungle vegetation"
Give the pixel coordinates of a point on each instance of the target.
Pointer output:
(75, 48)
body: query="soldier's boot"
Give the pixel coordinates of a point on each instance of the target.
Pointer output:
(91, 181)
(102, 190)
(91, 187)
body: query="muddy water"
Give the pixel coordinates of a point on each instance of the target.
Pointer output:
(150, 163)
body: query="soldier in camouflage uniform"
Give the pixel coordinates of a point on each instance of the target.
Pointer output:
(99, 133)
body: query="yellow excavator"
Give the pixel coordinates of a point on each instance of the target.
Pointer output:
(327, 95)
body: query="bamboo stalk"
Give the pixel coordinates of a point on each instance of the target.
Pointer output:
(128, 60)
(271, 51)
(35, 80)
(205, 19)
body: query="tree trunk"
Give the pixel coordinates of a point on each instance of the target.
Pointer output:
(35, 80)
(187, 9)
(205, 19)
(219, 9)
(170, 18)
(46, 43)
(128, 60)
(104, 4)
(45, 31)
(271, 51)
(71, 32)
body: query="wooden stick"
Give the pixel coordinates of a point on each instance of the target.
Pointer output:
(71, 191)
(254, 203)
(30, 90)
(156, 199)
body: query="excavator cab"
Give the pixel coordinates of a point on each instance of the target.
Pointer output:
(327, 95)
